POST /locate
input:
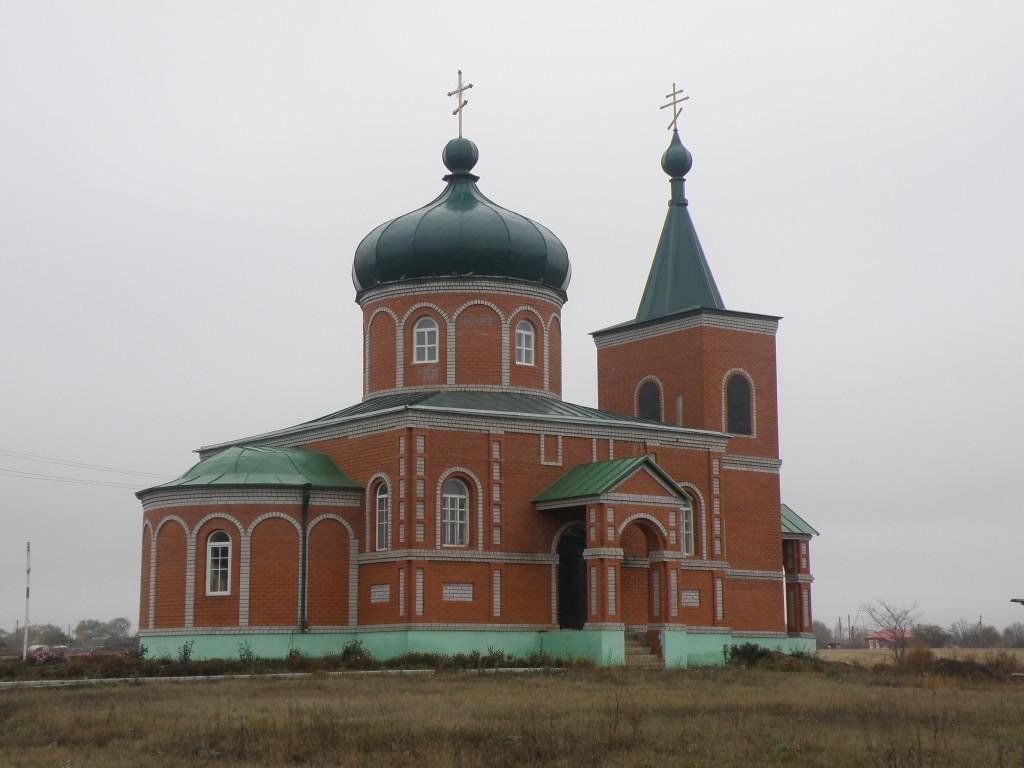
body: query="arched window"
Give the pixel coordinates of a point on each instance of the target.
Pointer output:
(383, 518)
(686, 527)
(218, 564)
(455, 514)
(739, 419)
(524, 343)
(425, 341)
(648, 401)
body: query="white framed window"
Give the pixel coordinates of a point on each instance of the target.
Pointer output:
(686, 515)
(383, 506)
(524, 343)
(218, 564)
(425, 341)
(455, 514)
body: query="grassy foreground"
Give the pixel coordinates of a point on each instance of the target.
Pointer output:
(720, 717)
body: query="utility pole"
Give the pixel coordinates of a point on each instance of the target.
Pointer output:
(28, 577)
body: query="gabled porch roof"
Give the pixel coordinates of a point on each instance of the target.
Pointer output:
(586, 481)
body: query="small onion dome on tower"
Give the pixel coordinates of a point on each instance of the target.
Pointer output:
(249, 465)
(459, 234)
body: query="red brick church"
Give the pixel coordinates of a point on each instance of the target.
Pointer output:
(462, 504)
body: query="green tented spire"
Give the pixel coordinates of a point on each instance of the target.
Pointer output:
(680, 277)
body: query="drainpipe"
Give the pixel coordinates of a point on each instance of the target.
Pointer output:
(303, 541)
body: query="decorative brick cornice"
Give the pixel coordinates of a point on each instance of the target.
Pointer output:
(751, 463)
(732, 321)
(463, 285)
(457, 555)
(737, 573)
(610, 553)
(799, 578)
(214, 496)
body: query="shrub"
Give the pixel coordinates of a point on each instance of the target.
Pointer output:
(246, 654)
(185, 652)
(746, 655)
(917, 660)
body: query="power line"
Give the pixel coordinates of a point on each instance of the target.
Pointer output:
(78, 464)
(63, 479)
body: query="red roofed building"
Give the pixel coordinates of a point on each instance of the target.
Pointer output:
(463, 505)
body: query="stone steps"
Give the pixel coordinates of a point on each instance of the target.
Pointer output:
(639, 655)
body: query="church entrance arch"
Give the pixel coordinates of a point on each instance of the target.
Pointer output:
(572, 579)
(641, 587)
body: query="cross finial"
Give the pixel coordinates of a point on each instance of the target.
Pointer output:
(674, 103)
(461, 102)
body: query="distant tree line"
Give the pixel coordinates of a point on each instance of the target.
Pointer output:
(962, 633)
(50, 634)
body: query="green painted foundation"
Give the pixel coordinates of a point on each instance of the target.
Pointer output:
(604, 647)
(689, 648)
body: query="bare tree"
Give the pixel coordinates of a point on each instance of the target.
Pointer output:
(895, 620)
(1013, 635)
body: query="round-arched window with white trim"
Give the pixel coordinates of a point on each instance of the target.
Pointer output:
(454, 514)
(383, 509)
(686, 528)
(218, 564)
(525, 343)
(425, 340)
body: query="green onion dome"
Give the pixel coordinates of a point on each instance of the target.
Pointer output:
(677, 160)
(461, 233)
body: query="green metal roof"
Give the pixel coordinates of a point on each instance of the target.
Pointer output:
(461, 233)
(586, 480)
(795, 525)
(510, 403)
(472, 403)
(680, 277)
(246, 465)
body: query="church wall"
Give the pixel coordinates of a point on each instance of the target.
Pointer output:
(692, 363)
(328, 587)
(555, 354)
(484, 355)
(216, 610)
(381, 339)
(373, 579)
(170, 576)
(147, 554)
(754, 353)
(422, 374)
(521, 375)
(750, 508)
(455, 593)
(478, 330)
(525, 594)
(273, 586)
(703, 613)
(754, 605)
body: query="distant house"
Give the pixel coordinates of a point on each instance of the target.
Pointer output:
(886, 638)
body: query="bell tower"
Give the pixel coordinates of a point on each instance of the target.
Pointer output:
(685, 359)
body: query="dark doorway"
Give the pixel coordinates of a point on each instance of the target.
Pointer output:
(572, 580)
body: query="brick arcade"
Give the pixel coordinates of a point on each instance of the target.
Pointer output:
(462, 504)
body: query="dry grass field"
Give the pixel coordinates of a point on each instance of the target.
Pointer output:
(869, 658)
(721, 717)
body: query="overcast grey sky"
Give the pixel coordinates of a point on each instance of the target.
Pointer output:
(182, 187)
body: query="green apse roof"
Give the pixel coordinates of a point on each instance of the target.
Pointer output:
(586, 480)
(680, 277)
(461, 233)
(244, 465)
(795, 525)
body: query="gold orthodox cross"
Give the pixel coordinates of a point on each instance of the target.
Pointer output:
(674, 103)
(457, 93)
